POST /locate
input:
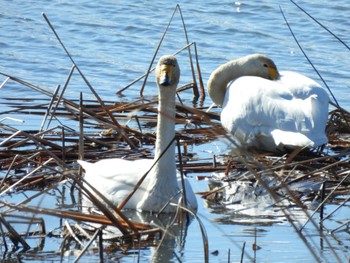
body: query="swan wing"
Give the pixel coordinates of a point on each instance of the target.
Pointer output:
(255, 108)
(116, 178)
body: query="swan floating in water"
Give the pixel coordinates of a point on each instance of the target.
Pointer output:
(116, 178)
(266, 109)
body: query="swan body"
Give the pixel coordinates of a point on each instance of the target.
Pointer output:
(266, 109)
(115, 178)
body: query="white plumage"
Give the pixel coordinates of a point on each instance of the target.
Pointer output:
(266, 109)
(115, 178)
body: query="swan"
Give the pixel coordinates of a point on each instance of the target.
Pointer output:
(266, 109)
(116, 178)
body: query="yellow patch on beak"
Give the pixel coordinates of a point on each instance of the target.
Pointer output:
(273, 72)
(167, 69)
(166, 74)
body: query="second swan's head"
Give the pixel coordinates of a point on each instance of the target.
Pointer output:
(167, 71)
(259, 65)
(251, 65)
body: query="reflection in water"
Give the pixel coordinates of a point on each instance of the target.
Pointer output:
(166, 246)
(249, 202)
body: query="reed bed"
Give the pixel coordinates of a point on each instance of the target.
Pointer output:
(42, 161)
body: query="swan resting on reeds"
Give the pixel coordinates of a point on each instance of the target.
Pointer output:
(116, 178)
(266, 109)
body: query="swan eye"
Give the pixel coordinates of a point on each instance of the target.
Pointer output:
(169, 65)
(266, 66)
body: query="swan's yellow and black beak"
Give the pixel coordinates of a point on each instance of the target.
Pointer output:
(166, 75)
(273, 72)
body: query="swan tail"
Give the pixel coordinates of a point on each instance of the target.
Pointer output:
(296, 139)
(85, 165)
(319, 109)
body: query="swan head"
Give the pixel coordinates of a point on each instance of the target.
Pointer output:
(167, 71)
(260, 66)
(252, 65)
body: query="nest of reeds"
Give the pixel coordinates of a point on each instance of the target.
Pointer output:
(265, 185)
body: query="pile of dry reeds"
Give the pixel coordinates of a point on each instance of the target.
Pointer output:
(41, 161)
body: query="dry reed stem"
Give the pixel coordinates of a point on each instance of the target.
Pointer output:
(78, 216)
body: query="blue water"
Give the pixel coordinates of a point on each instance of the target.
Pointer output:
(113, 42)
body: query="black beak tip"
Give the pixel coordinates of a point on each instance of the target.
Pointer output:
(164, 82)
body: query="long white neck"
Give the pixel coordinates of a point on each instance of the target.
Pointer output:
(221, 77)
(166, 123)
(164, 172)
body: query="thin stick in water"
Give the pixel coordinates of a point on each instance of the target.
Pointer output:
(323, 26)
(120, 128)
(155, 53)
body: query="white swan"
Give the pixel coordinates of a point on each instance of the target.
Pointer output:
(115, 178)
(266, 109)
